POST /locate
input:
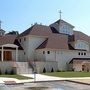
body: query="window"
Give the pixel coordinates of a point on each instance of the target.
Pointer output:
(83, 45)
(79, 53)
(20, 40)
(43, 52)
(84, 53)
(48, 52)
(24, 39)
(24, 53)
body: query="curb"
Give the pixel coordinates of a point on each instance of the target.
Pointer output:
(14, 83)
(77, 82)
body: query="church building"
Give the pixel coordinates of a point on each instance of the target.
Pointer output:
(43, 48)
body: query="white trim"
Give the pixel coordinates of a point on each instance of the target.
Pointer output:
(10, 45)
(2, 54)
(17, 54)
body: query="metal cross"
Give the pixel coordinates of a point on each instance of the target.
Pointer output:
(60, 14)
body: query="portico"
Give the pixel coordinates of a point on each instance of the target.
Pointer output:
(6, 52)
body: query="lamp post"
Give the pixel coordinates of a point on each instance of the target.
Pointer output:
(34, 71)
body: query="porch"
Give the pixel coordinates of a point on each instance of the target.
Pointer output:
(6, 52)
(80, 64)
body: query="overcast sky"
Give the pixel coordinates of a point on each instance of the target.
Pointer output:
(20, 14)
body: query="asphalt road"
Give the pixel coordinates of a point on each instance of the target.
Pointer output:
(59, 85)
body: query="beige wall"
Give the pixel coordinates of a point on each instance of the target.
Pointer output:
(29, 45)
(77, 67)
(63, 57)
(21, 67)
(47, 65)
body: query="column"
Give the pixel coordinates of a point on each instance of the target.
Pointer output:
(2, 54)
(16, 53)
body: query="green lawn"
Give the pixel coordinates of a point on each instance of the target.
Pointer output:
(16, 76)
(69, 74)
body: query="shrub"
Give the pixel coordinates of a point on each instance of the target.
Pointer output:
(12, 72)
(52, 70)
(58, 70)
(44, 70)
(6, 72)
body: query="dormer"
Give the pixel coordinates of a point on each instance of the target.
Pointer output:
(63, 27)
(82, 45)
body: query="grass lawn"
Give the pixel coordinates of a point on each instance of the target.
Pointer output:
(69, 74)
(20, 77)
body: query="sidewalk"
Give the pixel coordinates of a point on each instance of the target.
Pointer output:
(40, 77)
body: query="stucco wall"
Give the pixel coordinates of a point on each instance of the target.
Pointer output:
(29, 45)
(63, 57)
(21, 56)
(47, 65)
(34, 42)
(21, 67)
(5, 66)
(40, 56)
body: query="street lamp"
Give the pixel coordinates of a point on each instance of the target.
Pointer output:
(34, 71)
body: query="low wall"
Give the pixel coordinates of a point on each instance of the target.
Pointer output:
(6, 66)
(47, 65)
(24, 68)
(19, 67)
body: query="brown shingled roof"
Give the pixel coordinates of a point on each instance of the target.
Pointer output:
(79, 60)
(39, 30)
(55, 41)
(62, 21)
(10, 39)
(7, 39)
(81, 36)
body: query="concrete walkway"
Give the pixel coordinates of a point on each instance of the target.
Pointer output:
(39, 77)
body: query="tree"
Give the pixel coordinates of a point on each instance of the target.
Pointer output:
(13, 33)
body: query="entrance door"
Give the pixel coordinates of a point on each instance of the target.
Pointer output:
(7, 55)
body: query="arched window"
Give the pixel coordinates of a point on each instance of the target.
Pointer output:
(83, 45)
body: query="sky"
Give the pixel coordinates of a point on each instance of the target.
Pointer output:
(18, 15)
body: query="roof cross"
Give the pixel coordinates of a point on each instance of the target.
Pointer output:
(60, 14)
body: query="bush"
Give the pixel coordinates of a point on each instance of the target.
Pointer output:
(52, 70)
(44, 70)
(12, 72)
(6, 72)
(58, 70)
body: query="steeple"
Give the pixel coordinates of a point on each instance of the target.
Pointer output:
(2, 32)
